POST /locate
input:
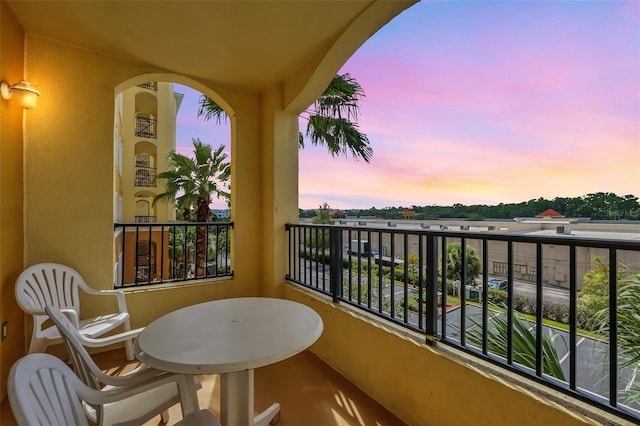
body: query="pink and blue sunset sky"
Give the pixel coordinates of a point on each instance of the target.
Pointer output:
(482, 102)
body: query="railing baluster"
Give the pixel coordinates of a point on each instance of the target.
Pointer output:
(380, 274)
(359, 281)
(613, 328)
(573, 317)
(431, 326)
(443, 280)
(540, 301)
(405, 311)
(369, 271)
(463, 291)
(336, 264)
(485, 294)
(421, 287)
(392, 286)
(510, 302)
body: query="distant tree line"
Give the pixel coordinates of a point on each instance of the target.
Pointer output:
(597, 206)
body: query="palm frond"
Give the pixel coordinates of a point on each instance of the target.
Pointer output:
(330, 120)
(192, 181)
(209, 109)
(340, 136)
(523, 342)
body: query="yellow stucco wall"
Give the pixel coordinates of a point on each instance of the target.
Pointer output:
(11, 247)
(419, 383)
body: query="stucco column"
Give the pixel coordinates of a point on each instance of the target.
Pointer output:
(279, 188)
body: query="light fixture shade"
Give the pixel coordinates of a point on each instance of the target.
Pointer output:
(26, 94)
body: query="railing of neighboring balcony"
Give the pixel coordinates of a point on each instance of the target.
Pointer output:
(145, 219)
(354, 265)
(145, 176)
(157, 253)
(145, 127)
(151, 86)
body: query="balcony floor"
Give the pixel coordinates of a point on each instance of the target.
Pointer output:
(309, 392)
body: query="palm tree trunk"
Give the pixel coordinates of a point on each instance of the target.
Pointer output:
(203, 213)
(201, 250)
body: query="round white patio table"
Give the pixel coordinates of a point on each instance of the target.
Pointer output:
(230, 337)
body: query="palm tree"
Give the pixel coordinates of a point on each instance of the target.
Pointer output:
(191, 183)
(454, 263)
(330, 120)
(523, 341)
(627, 333)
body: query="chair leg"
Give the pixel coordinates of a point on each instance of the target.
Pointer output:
(37, 345)
(165, 416)
(128, 345)
(129, 348)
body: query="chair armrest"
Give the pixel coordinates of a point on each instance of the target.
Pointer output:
(97, 342)
(72, 316)
(144, 374)
(122, 303)
(141, 374)
(115, 394)
(150, 379)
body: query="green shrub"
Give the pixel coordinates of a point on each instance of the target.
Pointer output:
(523, 304)
(556, 312)
(497, 297)
(585, 319)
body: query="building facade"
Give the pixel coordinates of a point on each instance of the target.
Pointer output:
(144, 132)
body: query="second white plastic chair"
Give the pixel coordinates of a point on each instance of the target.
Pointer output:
(44, 391)
(163, 390)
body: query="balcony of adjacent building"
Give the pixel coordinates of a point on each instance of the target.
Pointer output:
(151, 85)
(145, 127)
(144, 171)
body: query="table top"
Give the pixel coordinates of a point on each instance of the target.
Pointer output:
(228, 335)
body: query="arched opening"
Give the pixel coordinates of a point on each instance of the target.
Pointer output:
(156, 120)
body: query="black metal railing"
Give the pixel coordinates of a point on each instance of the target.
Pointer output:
(419, 278)
(145, 127)
(150, 85)
(145, 176)
(174, 251)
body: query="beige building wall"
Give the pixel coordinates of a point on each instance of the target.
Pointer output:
(144, 155)
(555, 257)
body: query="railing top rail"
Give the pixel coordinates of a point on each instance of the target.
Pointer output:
(566, 240)
(123, 224)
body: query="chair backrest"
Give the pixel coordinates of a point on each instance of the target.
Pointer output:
(44, 391)
(83, 364)
(48, 284)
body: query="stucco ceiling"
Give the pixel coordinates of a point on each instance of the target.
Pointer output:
(250, 44)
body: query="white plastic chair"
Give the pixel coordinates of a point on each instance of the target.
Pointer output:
(44, 391)
(169, 389)
(59, 285)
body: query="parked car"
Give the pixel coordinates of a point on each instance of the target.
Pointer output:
(498, 284)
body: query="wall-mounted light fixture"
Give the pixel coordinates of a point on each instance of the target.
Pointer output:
(25, 93)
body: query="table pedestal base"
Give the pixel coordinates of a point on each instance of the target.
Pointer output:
(236, 401)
